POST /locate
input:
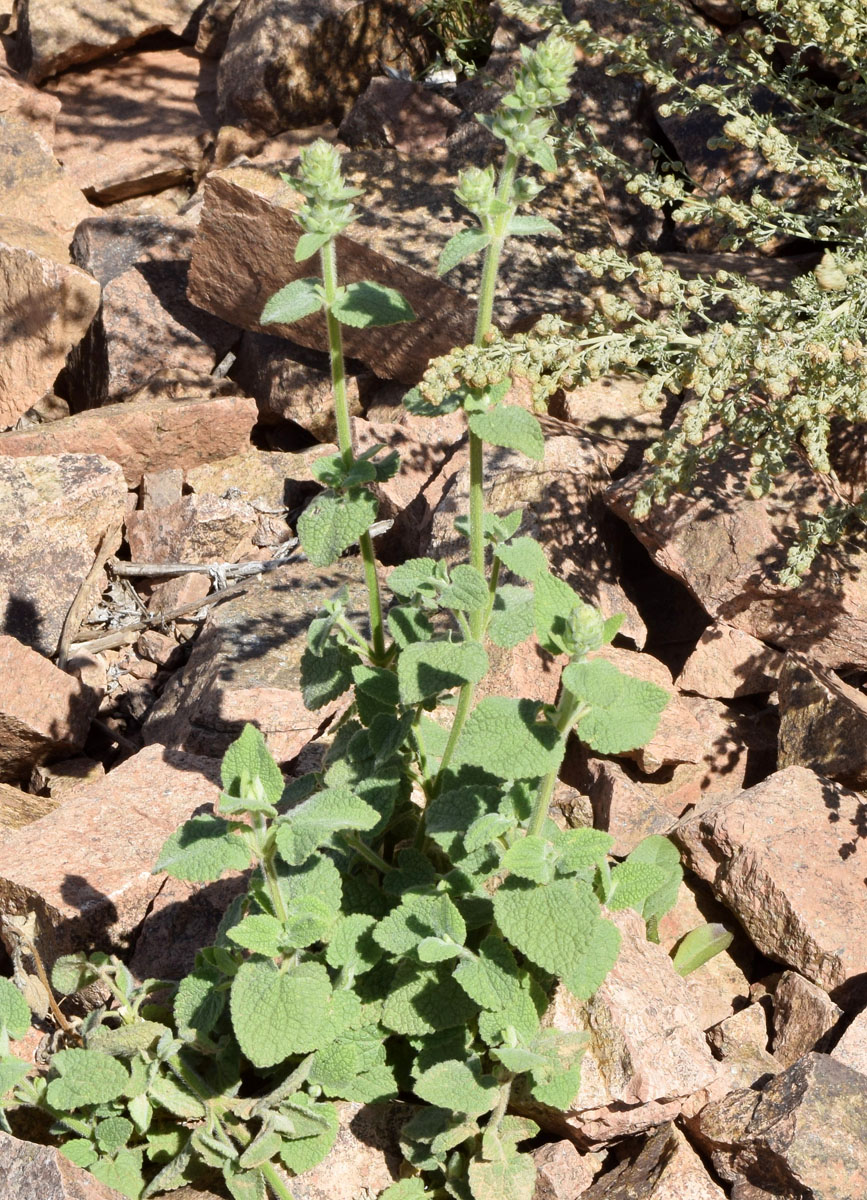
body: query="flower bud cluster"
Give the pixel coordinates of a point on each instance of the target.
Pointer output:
(321, 181)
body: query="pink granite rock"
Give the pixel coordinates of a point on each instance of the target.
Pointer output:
(728, 662)
(787, 858)
(44, 712)
(29, 1170)
(34, 187)
(666, 1168)
(823, 722)
(804, 1015)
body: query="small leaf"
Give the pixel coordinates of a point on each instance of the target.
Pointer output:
(512, 618)
(14, 1010)
(332, 523)
(427, 669)
(525, 557)
(658, 851)
(72, 972)
(412, 576)
(405, 1189)
(530, 858)
(699, 946)
(85, 1077)
(308, 244)
(278, 1012)
(468, 590)
(170, 1094)
(294, 301)
(513, 1177)
(12, 1071)
(503, 737)
(202, 850)
(126, 1041)
(261, 933)
(123, 1173)
(578, 849)
(326, 676)
(249, 774)
(366, 304)
(303, 1154)
(112, 1134)
(510, 426)
(633, 882)
(492, 979)
(352, 944)
(542, 155)
(423, 1000)
(462, 245)
(624, 712)
(198, 1003)
(459, 1086)
(313, 824)
(521, 226)
(435, 950)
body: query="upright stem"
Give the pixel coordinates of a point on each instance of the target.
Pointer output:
(328, 259)
(275, 1183)
(569, 710)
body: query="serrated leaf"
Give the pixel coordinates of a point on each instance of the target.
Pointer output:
(309, 244)
(510, 426)
(414, 575)
(435, 950)
(71, 973)
(513, 1177)
(123, 1173)
(308, 921)
(277, 1012)
(425, 999)
(303, 1154)
(326, 676)
(244, 1185)
(526, 226)
(633, 882)
(14, 1010)
(250, 776)
(366, 305)
(198, 1003)
(554, 603)
(454, 811)
(462, 245)
(418, 917)
(558, 926)
(426, 669)
(530, 857)
(520, 1017)
(12, 1071)
(379, 684)
(512, 617)
(125, 1041)
(332, 523)
(260, 932)
(518, 1060)
(85, 1077)
(294, 301)
(699, 946)
(407, 625)
(112, 1134)
(542, 155)
(468, 590)
(524, 557)
(503, 737)
(170, 1094)
(578, 849)
(459, 1086)
(202, 850)
(486, 829)
(624, 712)
(173, 1175)
(80, 1151)
(318, 877)
(492, 979)
(315, 822)
(405, 1189)
(265, 1145)
(658, 851)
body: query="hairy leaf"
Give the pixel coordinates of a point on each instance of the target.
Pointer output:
(202, 850)
(250, 776)
(510, 426)
(624, 712)
(366, 304)
(85, 1077)
(633, 883)
(303, 1154)
(14, 1010)
(123, 1173)
(502, 736)
(462, 245)
(525, 226)
(315, 822)
(277, 1012)
(198, 1003)
(512, 618)
(531, 858)
(425, 999)
(332, 523)
(326, 676)
(578, 849)
(459, 1086)
(294, 301)
(426, 669)
(468, 590)
(512, 1177)
(492, 979)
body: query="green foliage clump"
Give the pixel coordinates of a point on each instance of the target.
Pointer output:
(463, 28)
(410, 907)
(775, 371)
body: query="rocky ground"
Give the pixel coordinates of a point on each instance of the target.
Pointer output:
(157, 447)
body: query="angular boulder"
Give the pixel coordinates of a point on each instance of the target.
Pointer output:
(823, 722)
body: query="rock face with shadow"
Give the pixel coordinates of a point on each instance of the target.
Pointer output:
(246, 666)
(788, 858)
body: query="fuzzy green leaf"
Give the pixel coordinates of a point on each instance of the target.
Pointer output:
(453, 812)
(198, 1003)
(405, 1189)
(485, 830)
(578, 849)
(659, 852)
(407, 625)
(72, 972)
(423, 1000)
(462, 245)
(123, 1173)
(244, 1185)
(261, 933)
(309, 244)
(326, 676)
(554, 604)
(202, 850)
(277, 1012)
(531, 858)
(294, 301)
(14, 1010)
(12, 1071)
(126, 1041)
(250, 776)
(510, 426)
(492, 979)
(174, 1097)
(418, 917)
(557, 926)
(468, 590)
(318, 877)
(80, 1151)
(332, 523)
(426, 669)
(459, 1086)
(624, 712)
(512, 617)
(367, 305)
(526, 226)
(502, 736)
(524, 557)
(85, 1077)
(512, 1177)
(315, 822)
(699, 946)
(633, 882)
(112, 1134)
(416, 574)
(304, 1153)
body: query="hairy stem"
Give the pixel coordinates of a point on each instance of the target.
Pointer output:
(328, 259)
(569, 710)
(275, 1183)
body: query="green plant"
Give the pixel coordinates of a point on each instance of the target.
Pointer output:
(411, 907)
(463, 28)
(781, 369)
